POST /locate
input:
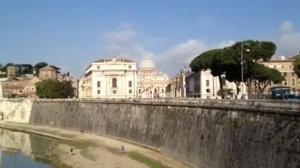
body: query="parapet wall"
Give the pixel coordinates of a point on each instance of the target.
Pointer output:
(205, 133)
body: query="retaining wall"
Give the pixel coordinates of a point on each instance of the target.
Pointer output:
(205, 133)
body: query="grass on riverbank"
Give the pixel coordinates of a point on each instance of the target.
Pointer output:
(146, 160)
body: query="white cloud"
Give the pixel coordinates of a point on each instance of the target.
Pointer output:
(181, 55)
(286, 27)
(127, 42)
(288, 40)
(223, 44)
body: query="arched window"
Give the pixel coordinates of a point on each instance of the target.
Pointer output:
(114, 82)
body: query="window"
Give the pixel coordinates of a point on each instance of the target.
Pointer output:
(129, 66)
(207, 82)
(114, 82)
(155, 90)
(207, 90)
(285, 82)
(293, 73)
(130, 83)
(139, 90)
(284, 73)
(293, 82)
(274, 66)
(162, 90)
(130, 91)
(98, 67)
(98, 84)
(282, 66)
(98, 91)
(114, 91)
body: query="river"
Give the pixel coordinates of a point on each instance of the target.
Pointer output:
(22, 150)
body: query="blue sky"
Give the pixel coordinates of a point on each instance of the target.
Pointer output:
(73, 33)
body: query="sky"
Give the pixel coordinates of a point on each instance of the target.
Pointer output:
(71, 34)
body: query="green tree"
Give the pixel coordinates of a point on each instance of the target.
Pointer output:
(264, 76)
(227, 61)
(212, 60)
(253, 51)
(22, 69)
(54, 89)
(296, 64)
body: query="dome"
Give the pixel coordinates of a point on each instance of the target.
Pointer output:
(147, 63)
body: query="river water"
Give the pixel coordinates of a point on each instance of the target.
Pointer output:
(22, 150)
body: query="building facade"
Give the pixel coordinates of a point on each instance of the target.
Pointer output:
(285, 67)
(203, 84)
(151, 83)
(109, 78)
(24, 87)
(48, 72)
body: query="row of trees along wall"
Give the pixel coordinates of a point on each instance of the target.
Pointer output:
(228, 61)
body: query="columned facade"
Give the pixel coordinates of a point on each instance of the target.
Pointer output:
(109, 78)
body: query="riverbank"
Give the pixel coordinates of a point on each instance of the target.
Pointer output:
(79, 149)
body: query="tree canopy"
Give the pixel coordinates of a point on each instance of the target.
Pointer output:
(264, 76)
(228, 61)
(296, 64)
(54, 89)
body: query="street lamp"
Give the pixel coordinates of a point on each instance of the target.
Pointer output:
(242, 68)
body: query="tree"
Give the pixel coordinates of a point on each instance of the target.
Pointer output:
(54, 89)
(212, 60)
(22, 69)
(227, 61)
(264, 76)
(253, 51)
(296, 64)
(38, 66)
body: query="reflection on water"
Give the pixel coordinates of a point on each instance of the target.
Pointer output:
(19, 160)
(21, 150)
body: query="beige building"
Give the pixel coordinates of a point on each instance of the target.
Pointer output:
(177, 86)
(30, 87)
(1, 86)
(151, 83)
(20, 87)
(285, 67)
(48, 72)
(109, 78)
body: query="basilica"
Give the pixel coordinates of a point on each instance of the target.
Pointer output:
(123, 78)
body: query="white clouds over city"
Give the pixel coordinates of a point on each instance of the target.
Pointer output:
(288, 39)
(128, 42)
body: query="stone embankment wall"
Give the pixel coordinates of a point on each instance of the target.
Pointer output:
(15, 110)
(205, 133)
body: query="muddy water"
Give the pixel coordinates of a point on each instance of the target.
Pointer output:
(21, 150)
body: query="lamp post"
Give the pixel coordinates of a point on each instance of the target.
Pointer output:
(242, 71)
(242, 68)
